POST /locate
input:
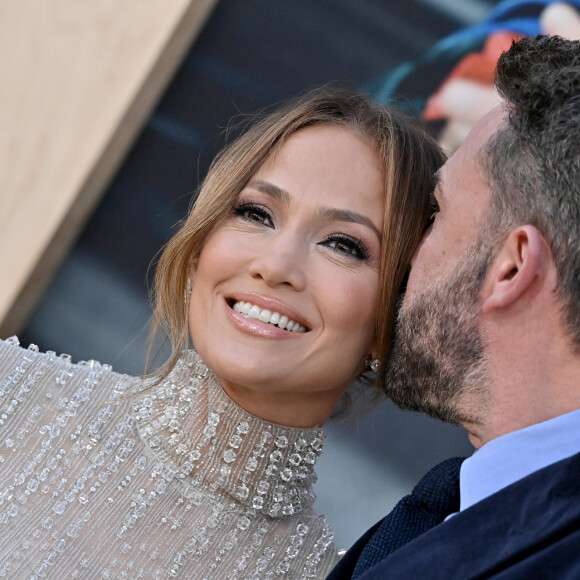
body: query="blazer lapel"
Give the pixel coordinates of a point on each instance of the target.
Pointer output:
(528, 516)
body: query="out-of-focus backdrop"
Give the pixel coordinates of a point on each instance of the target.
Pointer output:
(228, 58)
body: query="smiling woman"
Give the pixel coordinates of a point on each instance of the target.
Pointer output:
(293, 247)
(285, 277)
(408, 159)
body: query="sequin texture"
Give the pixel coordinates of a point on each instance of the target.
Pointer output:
(106, 476)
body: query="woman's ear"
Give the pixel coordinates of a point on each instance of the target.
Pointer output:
(515, 268)
(191, 269)
(188, 283)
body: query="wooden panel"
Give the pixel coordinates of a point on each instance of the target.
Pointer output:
(78, 78)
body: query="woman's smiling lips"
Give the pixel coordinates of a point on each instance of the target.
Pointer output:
(261, 314)
(264, 315)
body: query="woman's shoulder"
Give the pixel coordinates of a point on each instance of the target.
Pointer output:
(23, 369)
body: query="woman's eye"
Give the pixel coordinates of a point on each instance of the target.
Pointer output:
(255, 214)
(346, 245)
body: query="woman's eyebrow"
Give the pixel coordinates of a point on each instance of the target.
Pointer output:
(327, 213)
(345, 215)
(270, 189)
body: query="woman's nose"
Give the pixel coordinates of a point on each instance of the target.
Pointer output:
(281, 262)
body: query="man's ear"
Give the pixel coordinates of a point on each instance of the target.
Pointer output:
(515, 268)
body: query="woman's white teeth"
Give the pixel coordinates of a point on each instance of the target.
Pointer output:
(253, 311)
(264, 316)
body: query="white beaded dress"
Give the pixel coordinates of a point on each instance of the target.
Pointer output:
(175, 481)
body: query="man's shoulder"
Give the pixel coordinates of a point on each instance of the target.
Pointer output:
(559, 479)
(553, 489)
(529, 527)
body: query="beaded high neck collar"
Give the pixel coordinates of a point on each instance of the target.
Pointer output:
(216, 448)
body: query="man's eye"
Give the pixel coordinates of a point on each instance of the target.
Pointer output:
(255, 214)
(346, 245)
(433, 208)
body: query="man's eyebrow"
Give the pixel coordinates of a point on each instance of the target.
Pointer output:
(344, 215)
(270, 189)
(437, 180)
(436, 193)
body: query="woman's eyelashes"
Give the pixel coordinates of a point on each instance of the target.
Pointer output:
(346, 245)
(340, 243)
(255, 213)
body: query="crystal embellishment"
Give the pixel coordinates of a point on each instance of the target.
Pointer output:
(113, 477)
(229, 456)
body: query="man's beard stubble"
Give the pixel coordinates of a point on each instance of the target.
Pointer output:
(437, 365)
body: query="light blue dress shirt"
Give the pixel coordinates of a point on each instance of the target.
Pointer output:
(516, 455)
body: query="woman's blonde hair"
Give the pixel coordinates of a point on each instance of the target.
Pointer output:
(410, 158)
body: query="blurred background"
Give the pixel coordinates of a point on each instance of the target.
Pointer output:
(249, 55)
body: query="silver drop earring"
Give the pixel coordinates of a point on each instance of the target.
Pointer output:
(187, 291)
(372, 364)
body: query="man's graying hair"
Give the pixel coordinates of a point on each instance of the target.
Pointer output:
(533, 161)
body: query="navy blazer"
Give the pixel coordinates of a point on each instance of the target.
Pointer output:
(530, 529)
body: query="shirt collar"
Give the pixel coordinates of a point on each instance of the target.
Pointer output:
(516, 455)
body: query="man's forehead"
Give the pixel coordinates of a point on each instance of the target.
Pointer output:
(487, 126)
(466, 159)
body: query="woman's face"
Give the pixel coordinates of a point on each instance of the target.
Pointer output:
(284, 297)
